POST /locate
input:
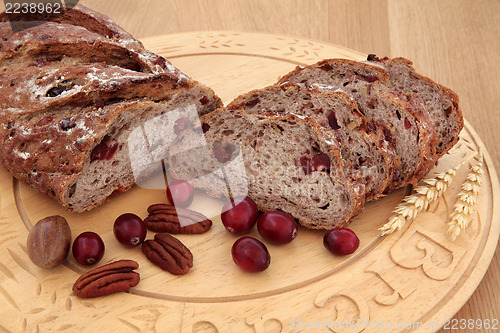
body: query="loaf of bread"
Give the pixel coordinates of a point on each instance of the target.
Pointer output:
(273, 141)
(362, 149)
(71, 92)
(409, 128)
(282, 162)
(440, 102)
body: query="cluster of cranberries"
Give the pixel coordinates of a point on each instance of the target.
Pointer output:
(129, 229)
(239, 216)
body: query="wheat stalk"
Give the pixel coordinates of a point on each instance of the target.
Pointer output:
(461, 216)
(412, 204)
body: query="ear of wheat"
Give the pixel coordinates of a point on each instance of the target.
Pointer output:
(461, 216)
(411, 205)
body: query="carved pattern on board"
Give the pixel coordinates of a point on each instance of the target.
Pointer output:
(399, 284)
(258, 322)
(435, 245)
(353, 310)
(300, 51)
(145, 318)
(190, 319)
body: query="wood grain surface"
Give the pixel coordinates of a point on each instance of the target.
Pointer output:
(456, 42)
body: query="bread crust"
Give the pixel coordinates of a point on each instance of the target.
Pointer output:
(403, 76)
(278, 198)
(79, 82)
(341, 74)
(291, 98)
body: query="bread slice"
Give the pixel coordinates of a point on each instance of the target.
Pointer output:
(360, 147)
(281, 162)
(73, 96)
(409, 128)
(440, 102)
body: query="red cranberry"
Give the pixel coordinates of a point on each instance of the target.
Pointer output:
(305, 162)
(160, 61)
(181, 124)
(320, 162)
(277, 227)
(103, 152)
(253, 102)
(129, 230)
(223, 151)
(239, 215)
(44, 121)
(332, 121)
(369, 127)
(180, 193)
(407, 124)
(204, 100)
(250, 254)
(326, 67)
(387, 135)
(99, 152)
(205, 127)
(370, 78)
(88, 248)
(341, 241)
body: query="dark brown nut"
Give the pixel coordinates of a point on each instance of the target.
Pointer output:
(167, 218)
(112, 278)
(168, 253)
(49, 241)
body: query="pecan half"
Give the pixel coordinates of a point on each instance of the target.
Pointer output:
(108, 279)
(168, 218)
(168, 253)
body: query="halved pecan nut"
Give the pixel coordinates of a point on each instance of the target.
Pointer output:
(108, 279)
(168, 253)
(168, 218)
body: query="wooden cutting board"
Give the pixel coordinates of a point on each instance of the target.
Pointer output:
(412, 280)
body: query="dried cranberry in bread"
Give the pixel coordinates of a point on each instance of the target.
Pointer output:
(71, 92)
(440, 102)
(285, 162)
(360, 147)
(409, 127)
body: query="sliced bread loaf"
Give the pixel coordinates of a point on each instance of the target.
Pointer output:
(409, 129)
(71, 94)
(282, 162)
(440, 102)
(361, 149)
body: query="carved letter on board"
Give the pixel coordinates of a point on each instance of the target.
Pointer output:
(397, 282)
(355, 298)
(436, 249)
(190, 319)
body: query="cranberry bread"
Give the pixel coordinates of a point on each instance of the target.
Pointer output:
(288, 164)
(71, 93)
(408, 126)
(80, 36)
(440, 102)
(81, 16)
(361, 148)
